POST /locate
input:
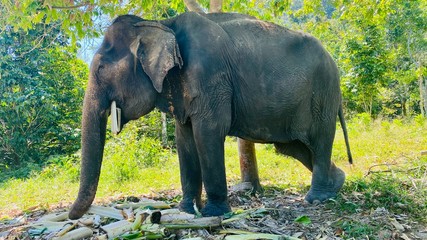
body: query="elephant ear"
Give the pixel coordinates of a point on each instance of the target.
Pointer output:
(157, 50)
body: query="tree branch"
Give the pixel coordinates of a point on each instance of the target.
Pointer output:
(193, 6)
(72, 7)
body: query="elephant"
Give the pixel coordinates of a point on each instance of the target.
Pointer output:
(218, 74)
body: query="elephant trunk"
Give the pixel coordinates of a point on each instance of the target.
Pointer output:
(94, 123)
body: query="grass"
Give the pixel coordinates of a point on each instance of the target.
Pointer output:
(388, 150)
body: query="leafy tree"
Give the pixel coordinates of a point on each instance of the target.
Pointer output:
(41, 86)
(406, 27)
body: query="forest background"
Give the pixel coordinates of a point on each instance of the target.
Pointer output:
(380, 47)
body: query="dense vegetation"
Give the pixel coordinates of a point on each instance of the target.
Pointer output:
(41, 85)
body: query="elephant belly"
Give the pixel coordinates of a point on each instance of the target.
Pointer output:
(261, 135)
(266, 128)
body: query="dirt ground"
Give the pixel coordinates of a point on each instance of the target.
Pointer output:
(283, 214)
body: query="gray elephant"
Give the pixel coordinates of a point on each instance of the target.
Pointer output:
(218, 75)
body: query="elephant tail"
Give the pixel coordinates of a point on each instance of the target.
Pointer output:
(344, 129)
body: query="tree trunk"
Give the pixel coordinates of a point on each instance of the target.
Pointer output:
(424, 94)
(422, 84)
(193, 6)
(215, 6)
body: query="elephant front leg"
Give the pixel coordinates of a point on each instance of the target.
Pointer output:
(191, 178)
(210, 146)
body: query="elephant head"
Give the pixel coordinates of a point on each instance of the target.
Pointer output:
(129, 68)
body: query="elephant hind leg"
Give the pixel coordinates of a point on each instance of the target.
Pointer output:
(297, 150)
(327, 179)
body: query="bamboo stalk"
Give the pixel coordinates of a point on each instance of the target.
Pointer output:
(157, 205)
(139, 219)
(77, 234)
(116, 228)
(260, 236)
(66, 229)
(246, 235)
(51, 226)
(206, 222)
(54, 217)
(89, 221)
(170, 211)
(106, 212)
(179, 217)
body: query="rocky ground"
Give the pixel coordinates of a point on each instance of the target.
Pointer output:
(276, 214)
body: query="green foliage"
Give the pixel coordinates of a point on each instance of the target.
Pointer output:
(133, 149)
(380, 46)
(357, 230)
(362, 121)
(63, 164)
(79, 19)
(41, 86)
(151, 126)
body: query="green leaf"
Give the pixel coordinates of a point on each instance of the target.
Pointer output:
(131, 235)
(304, 220)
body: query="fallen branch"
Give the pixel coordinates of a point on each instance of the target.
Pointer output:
(390, 169)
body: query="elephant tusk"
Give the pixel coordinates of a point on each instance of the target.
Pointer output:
(115, 118)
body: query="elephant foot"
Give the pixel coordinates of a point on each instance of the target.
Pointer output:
(187, 205)
(247, 187)
(215, 209)
(321, 193)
